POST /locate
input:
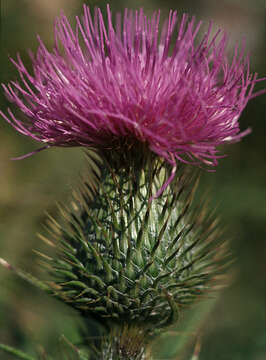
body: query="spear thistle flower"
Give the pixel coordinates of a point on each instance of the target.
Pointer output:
(143, 97)
(104, 86)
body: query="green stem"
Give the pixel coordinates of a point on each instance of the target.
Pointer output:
(197, 349)
(19, 354)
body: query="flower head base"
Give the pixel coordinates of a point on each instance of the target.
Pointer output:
(131, 82)
(124, 260)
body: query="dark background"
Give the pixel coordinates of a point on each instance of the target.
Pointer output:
(236, 328)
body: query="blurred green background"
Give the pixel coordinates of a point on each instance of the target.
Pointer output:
(236, 328)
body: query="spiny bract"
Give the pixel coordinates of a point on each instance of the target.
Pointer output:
(125, 259)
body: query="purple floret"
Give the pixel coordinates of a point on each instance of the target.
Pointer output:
(132, 81)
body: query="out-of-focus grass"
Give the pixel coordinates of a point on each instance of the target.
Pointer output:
(236, 328)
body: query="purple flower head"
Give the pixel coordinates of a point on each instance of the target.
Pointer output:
(130, 81)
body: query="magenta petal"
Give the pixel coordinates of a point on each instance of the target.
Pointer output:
(105, 82)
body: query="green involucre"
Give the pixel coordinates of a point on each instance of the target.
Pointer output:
(123, 258)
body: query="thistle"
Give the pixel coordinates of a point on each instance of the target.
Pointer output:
(132, 250)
